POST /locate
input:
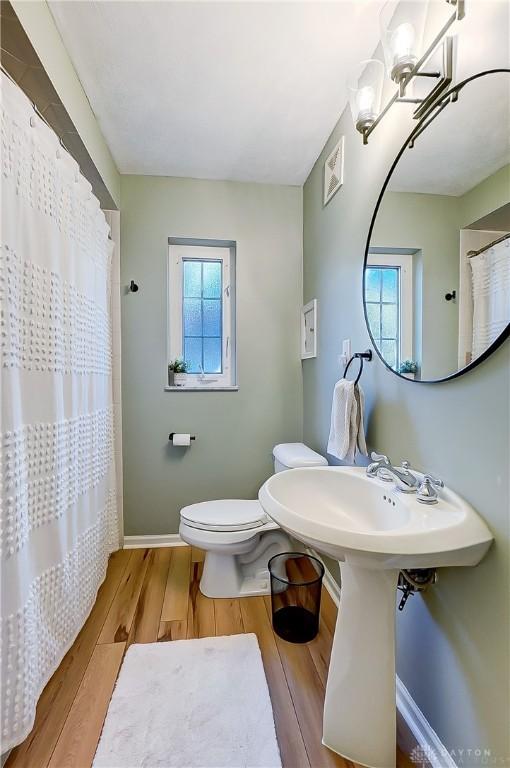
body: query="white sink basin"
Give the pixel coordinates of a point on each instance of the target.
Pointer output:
(349, 516)
(374, 531)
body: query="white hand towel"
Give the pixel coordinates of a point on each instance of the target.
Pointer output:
(347, 433)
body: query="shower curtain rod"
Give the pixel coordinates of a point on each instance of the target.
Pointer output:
(39, 113)
(41, 117)
(471, 254)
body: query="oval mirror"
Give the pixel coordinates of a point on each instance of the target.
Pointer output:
(437, 264)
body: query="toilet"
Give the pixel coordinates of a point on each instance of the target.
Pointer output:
(238, 537)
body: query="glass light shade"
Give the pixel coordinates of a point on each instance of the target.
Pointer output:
(402, 36)
(365, 91)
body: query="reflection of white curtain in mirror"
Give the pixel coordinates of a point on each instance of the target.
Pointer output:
(491, 295)
(470, 240)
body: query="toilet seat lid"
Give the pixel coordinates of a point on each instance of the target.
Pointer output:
(225, 515)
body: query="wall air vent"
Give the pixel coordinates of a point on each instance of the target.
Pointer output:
(334, 171)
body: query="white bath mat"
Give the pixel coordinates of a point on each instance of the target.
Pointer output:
(190, 704)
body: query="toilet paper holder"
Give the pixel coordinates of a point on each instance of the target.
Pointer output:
(171, 436)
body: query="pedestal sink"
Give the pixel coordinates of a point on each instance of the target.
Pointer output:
(374, 531)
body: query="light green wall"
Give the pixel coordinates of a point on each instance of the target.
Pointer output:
(486, 197)
(38, 23)
(428, 223)
(453, 642)
(235, 430)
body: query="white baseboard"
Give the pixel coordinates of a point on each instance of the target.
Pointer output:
(162, 540)
(416, 737)
(332, 586)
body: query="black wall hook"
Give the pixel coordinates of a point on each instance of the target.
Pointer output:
(451, 296)
(133, 287)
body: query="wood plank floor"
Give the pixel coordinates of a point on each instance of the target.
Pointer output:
(152, 595)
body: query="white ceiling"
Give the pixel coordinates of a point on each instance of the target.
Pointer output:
(242, 90)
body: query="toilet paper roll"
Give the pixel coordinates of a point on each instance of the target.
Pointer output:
(181, 439)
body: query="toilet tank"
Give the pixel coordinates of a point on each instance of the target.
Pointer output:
(292, 455)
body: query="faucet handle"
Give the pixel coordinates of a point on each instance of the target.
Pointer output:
(379, 457)
(379, 462)
(434, 480)
(427, 492)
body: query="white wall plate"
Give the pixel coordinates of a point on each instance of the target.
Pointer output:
(309, 330)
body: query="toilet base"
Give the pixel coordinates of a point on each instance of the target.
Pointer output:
(223, 578)
(245, 575)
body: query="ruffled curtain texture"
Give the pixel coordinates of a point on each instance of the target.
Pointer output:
(491, 295)
(59, 518)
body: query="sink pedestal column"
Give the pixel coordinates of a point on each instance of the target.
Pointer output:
(360, 705)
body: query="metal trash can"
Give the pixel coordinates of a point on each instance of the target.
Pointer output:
(296, 582)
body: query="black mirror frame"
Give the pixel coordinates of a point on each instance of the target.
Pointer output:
(452, 95)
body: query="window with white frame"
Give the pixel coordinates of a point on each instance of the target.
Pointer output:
(389, 305)
(201, 307)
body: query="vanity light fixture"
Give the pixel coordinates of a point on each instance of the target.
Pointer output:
(365, 91)
(402, 40)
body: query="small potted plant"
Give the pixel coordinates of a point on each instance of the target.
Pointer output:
(408, 368)
(177, 370)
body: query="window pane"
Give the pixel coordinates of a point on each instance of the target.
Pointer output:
(390, 284)
(212, 317)
(389, 352)
(212, 355)
(202, 312)
(192, 314)
(193, 354)
(372, 285)
(374, 319)
(212, 280)
(382, 301)
(389, 321)
(192, 279)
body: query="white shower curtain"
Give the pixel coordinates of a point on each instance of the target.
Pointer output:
(491, 295)
(59, 517)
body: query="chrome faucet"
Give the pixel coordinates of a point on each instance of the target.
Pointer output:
(382, 468)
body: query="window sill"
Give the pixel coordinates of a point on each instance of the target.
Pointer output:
(203, 388)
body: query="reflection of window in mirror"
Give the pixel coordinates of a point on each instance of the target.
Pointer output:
(389, 305)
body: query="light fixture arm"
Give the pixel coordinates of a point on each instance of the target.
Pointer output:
(428, 74)
(456, 16)
(434, 112)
